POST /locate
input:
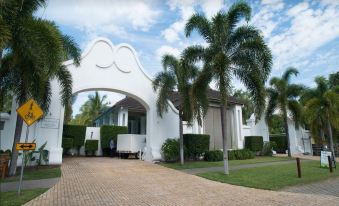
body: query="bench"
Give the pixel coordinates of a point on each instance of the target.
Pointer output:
(4, 159)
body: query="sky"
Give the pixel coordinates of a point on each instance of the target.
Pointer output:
(300, 34)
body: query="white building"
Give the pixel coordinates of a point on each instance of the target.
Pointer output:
(117, 69)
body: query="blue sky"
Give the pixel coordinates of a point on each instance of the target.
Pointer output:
(302, 34)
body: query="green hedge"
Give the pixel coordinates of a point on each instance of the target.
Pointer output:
(67, 143)
(240, 154)
(76, 132)
(91, 145)
(214, 156)
(281, 143)
(170, 150)
(110, 131)
(254, 143)
(196, 145)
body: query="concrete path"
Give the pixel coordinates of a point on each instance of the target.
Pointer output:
(28, 184)
(237, 167)
(106, 181)
(327, 187)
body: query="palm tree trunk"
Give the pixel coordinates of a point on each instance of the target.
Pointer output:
(15, 153)
(181, 140)
(330, 135)
(287, 134)
(224, 140)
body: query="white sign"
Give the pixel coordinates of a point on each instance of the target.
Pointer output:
(324, 158)
(50, 123)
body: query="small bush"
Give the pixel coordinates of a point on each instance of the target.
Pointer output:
(240, 154)
(107, 132)
(267, 148)
(91, 145)
(77, 132)
(254, 143)
(170, 150)
(67, 143)
(214, 156)
(281, 143)
(196, 145)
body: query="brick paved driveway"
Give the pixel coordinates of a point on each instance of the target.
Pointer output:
(106, 181)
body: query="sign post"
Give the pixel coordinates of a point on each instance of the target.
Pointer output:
(30, 112)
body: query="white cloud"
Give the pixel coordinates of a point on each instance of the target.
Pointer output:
(166, 50)
(211, 7)
(110, 17)
(308, 31)
(187, 9)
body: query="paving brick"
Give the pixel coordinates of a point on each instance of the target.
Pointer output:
(107, 181)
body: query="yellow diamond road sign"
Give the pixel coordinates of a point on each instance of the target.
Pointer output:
(30, 112)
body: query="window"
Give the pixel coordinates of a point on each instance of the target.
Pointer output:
(2, 125)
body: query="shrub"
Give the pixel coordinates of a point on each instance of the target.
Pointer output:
(67, 143)
(77, 132)
(170, 150)
(91, 145)
(196, 145)
(267, 148)
(281, 143)
(240, 154)
(110, 131)
(254, 143)
(213, 156)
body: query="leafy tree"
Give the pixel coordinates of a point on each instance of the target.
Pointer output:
(282, 96)
(232, 51)
(177, 75)
(32, 52)
(248, 107)
(321, 110)
(334, 80)
(69, 109)
(276, 124)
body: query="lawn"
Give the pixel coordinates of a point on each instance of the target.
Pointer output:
(204, 164)
(12, 198)
(33, 173)
(273, 177)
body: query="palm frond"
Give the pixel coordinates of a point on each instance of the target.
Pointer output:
(288, 73)
(71, 49)
(65, 79)
(201, 24)
(295, 110)
(237, 11)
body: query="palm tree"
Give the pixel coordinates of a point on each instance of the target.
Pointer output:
(35, 51)
(321, 109)
(91, 109)
(232, 51)
(282, 96)
(177, 75)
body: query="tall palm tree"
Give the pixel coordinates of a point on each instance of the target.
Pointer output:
(177, 75)
(232, 51)
(321, 109)
(282, 96)
(35, 51)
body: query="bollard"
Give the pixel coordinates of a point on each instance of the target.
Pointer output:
(298, 167)
(330, 163)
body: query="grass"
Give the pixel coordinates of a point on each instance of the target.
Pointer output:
(12, 198)
(273, 177)
(204, 164)
(44, 172)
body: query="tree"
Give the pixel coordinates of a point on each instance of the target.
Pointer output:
(232, 51)
(34, 52)
(177, 75)
(321, 110)
(69, 109)
(91, 109)
(334, 80)
(245, 98)
(282, 96)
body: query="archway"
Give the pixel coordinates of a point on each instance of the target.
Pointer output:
(117, 69)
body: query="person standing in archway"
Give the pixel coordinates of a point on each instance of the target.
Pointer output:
(112, 148)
